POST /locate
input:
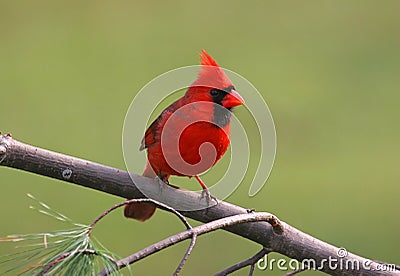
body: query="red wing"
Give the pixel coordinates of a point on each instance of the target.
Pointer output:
(150, 134)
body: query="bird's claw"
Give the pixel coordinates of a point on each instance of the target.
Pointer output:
(207, 195)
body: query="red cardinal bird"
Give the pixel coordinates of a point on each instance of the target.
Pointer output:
(191, 134)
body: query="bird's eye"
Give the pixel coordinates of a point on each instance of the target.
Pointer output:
(214, 92)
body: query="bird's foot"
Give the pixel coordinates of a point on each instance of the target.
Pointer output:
(207, 195)
(164, 179)
(160, 181)
(164, 182)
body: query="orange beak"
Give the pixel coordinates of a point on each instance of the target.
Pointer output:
(232, 99)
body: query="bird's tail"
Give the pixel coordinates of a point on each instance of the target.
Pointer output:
(137, 210)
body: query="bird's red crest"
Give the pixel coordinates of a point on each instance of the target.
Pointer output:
(211, 75)
(206, 59)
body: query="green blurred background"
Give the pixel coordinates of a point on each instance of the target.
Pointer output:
(329, 71)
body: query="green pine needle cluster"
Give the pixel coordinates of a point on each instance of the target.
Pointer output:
(62, 252)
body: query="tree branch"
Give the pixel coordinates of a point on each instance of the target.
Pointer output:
(147, 200)
(198, 231)
(292, 243)
(248, 262)
(120, 264)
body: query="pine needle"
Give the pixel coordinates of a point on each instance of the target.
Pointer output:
(65, 252)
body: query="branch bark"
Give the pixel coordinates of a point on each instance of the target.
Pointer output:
(198, 231)
(292, 243)
(248, 262)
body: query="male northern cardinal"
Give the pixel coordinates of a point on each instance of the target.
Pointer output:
(191, 134)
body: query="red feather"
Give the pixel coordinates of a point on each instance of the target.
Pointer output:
(211, 74)
(206, 59)
(179, 132)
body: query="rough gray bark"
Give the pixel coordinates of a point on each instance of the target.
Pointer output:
(292, 243)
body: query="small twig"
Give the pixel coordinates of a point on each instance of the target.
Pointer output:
(294, 272)
(158, 204)
(186, 256)
(60, 258)
(248, 262)
(199, 230)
